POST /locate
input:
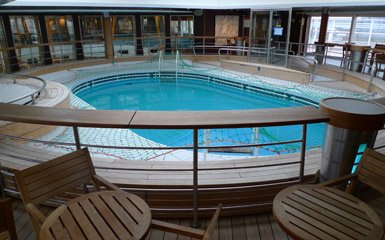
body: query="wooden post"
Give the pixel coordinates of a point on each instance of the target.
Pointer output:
(324, 25)
(79, 53)
(108, 45)
(138, 29)
(45, 50)
(10, 58)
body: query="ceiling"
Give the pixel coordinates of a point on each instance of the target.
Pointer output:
(195, 4)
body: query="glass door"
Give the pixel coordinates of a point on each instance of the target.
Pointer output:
(280, 37)
(259, 36)
(269, 36)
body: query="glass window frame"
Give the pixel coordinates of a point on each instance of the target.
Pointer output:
(95, 38)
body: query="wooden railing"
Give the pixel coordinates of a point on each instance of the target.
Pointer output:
(193, 120)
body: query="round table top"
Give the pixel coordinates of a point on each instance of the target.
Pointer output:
(99, 215)
(353, 113)
(318, 212)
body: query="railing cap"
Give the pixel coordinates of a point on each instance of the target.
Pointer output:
(161, 119)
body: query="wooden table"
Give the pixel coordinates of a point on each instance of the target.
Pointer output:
(99, 215)
(317, 212)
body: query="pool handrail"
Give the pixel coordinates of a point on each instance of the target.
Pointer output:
(32, 94)
(265, 51)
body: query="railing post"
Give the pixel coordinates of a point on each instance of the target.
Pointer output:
(255, 139)
(303, 152)
(195, 223)
(206, 140)
(32, 59)
(372, 72)
(76, 136)
(61, 53)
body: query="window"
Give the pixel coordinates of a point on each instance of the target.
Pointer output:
(123, 32)
(60, 28)
(60, 32)
(24, 30)
(369, 31)
(315, 23)
(182, 31)
(338, 29)
(123, 26)
(182, 25)
(92, 28)
(153, 33)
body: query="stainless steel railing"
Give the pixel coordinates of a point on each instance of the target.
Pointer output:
(32, 94)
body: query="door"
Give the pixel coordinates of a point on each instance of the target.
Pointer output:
(269, 36)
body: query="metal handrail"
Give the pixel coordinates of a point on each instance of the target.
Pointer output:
(265, 51)
(32, 94)
(26, 117)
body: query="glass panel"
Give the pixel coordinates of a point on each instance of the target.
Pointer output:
(279, 34)
(60, 31)
(369, 31)
(182, 32)
(315, 24)
(259, 36)
(25, 35)
(92, 32)
(338, 29)
(123, 31)
(153, 33)
(24, 30)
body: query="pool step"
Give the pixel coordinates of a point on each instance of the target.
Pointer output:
(167, 77)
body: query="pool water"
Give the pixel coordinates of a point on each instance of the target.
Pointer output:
(192, 94)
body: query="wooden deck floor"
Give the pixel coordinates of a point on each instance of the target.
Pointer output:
(248, 227)
(252, 227)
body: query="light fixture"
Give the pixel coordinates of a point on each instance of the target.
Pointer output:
(62, 21)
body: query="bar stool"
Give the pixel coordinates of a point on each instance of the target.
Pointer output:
(346, 55)
(372, 54)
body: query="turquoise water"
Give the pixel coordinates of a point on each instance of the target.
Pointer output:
(191, 94)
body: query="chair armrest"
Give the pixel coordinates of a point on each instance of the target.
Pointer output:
(178, 229)
(35, 213)
(339, 180)
(105, 183)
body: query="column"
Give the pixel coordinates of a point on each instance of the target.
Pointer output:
(45, 49)
(353, 125)
(108, 46)
(138, 29)
(320, 49)
(78, 38)
(10, 57)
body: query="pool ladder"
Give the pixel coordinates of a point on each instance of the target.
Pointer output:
(165, 76)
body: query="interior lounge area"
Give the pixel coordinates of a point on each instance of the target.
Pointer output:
(192, 120)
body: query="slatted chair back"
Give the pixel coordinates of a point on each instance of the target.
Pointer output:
(7, 224)
(44, 181)
(56, 177)
(371, 170)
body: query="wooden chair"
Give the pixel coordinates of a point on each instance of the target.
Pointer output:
(47, 180)
(7, 224)
(187, 231)
(370, 171)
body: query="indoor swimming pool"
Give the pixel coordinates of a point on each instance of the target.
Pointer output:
(200, 94)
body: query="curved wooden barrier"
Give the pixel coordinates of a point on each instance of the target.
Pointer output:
(252, 192)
